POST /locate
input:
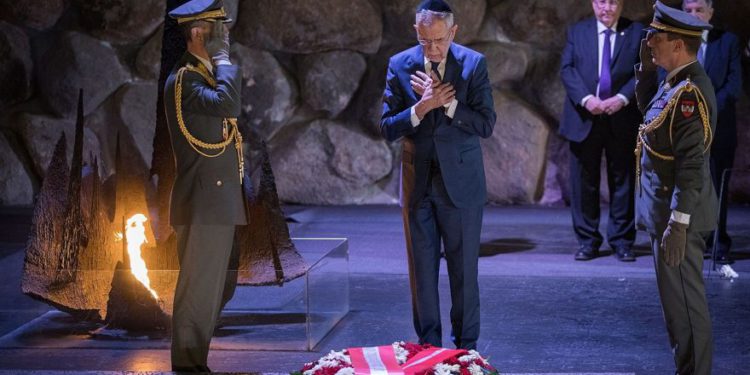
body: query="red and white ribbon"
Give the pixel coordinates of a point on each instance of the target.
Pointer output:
(375, 360)
(428, 358)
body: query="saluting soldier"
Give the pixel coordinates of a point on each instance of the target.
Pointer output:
(676, 202)
(202, 102)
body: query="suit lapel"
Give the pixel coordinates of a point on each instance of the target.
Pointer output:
(452, 66)
(592, 41)
(621, 36)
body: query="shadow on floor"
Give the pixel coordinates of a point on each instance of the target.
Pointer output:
(505, 246)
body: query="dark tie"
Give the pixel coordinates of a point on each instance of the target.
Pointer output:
(605, 78)
(434, 68)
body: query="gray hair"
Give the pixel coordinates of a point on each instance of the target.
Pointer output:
(427, 17)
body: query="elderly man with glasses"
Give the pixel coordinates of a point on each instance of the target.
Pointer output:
(438, 101)
(676, 202)
(600, 117)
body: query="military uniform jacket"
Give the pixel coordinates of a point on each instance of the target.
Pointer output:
(684, 183)
(207, 190)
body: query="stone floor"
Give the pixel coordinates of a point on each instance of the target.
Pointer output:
(542, 312)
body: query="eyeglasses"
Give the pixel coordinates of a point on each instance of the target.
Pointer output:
(603, 3)
(438, 41)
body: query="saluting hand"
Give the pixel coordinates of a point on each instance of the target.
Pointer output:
(218, 43)
(647, 62)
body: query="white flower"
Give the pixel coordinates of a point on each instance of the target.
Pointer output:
(345, 371)
(400, 352)
(468, 358)
(443, 369)
(475, 369)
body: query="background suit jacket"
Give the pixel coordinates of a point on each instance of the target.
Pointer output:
(206, 190)
(722, 65)
(580, 75)
(454, 142)
(683, 184)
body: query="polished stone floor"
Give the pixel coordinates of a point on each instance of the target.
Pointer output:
(541, 311)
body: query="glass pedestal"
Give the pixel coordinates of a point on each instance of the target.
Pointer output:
(295, 316)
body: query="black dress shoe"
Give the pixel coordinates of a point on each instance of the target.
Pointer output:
(624, 254)
(586, 253)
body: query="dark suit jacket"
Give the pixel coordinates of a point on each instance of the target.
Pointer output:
(580, 76)
(206, 190)
(683, 184)
(722, 65)
(454, 142)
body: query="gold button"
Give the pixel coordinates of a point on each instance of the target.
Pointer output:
(219, 183)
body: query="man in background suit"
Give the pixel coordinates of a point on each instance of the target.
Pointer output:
(676, 202)
(202, 101)
(720, 56)
(440, 117)
(600, 115)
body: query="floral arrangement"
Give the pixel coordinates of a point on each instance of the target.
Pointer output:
(458, 362)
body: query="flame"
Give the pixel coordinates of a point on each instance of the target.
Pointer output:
(135, 233)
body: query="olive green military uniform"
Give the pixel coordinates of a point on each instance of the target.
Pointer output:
(207, 201)
(674, 145)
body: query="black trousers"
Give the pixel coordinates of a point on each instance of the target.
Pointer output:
(585, 174)
(204, 253)
(683, 301)
(434, 219)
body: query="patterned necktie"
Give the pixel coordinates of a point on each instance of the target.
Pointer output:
(605, 77)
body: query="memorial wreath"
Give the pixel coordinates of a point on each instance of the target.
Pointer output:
(400, 358)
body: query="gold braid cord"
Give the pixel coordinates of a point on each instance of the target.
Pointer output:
(229, 137)
(658, 121)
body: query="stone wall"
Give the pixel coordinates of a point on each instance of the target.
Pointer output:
(314, 74)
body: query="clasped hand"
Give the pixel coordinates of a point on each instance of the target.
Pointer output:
(607, 106)
(434, 94)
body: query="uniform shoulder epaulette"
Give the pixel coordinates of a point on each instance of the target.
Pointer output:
(684, 86)
(674, 102)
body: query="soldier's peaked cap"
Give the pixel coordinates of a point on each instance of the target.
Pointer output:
(195, 10)
(673, 20)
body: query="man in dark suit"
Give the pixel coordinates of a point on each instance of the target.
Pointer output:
(440, 117)
(676, 202)
(202, 101)
(720, 56)
(600, 116)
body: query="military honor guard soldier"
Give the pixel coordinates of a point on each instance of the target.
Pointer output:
(675, 201)
(202, 102)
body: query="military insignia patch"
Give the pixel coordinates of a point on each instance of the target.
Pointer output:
(687, 107)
